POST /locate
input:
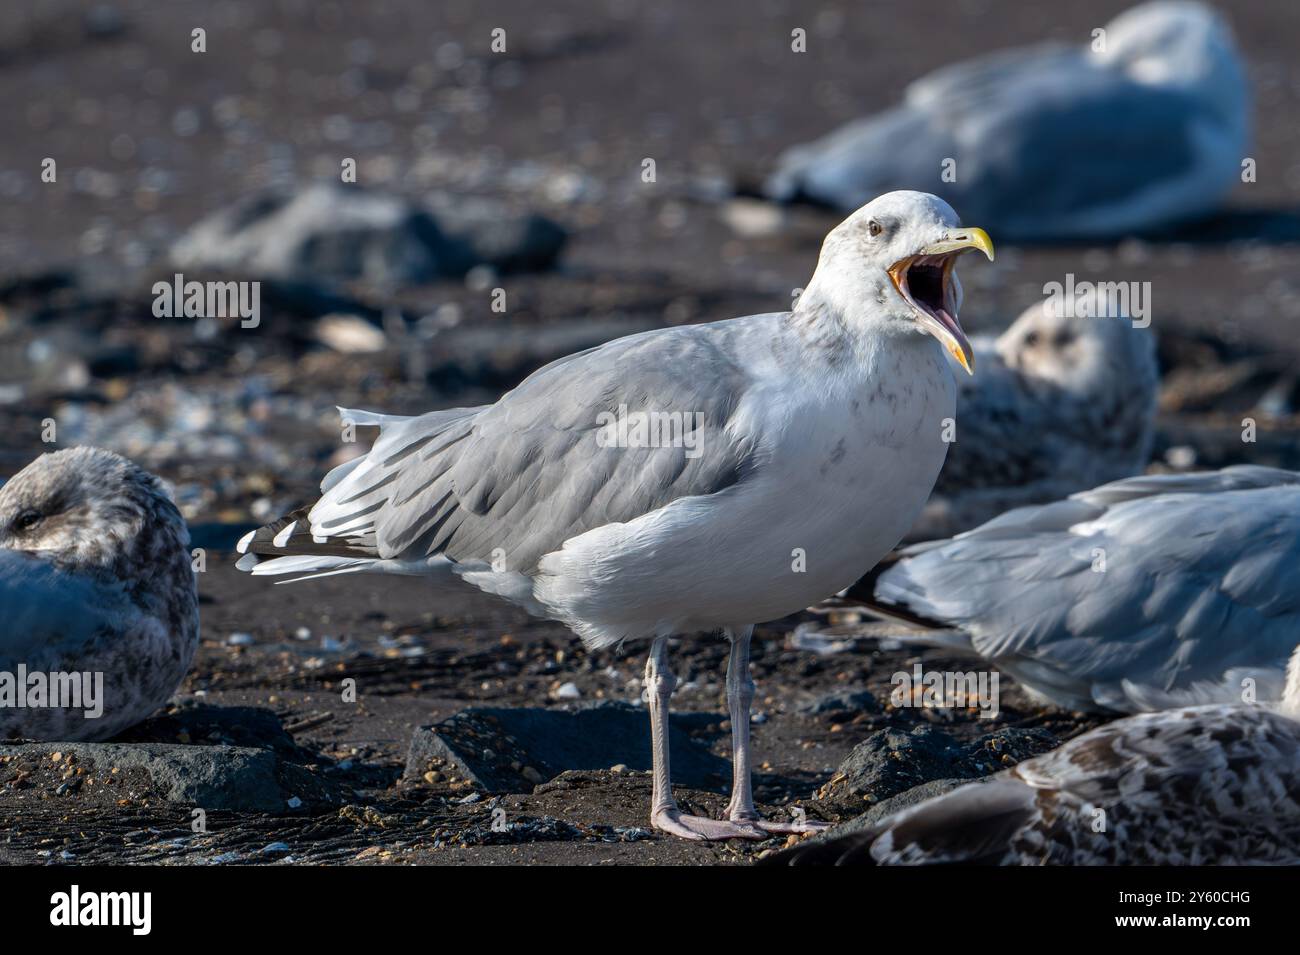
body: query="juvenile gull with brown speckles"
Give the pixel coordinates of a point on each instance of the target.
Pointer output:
(1205, 785)
(1061, 404)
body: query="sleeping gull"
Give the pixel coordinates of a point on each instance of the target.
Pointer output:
(1061, 405)
(1056, 142)
(95, 580)
(555, 497)
(1216, 784)
(1148, 593)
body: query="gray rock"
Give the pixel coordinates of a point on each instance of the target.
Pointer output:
(243, 726)
(842, 701)
(904, 800)
(892, 761)
(335, 233)
(503, 750)
(207, 777)
(237, 758)
(887, 807)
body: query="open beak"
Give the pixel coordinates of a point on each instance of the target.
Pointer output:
(925, 282)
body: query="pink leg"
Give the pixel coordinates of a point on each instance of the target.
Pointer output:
(664, 814)
(740, 696)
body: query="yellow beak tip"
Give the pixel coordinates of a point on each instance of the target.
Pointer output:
(980, 240)
(967, 363)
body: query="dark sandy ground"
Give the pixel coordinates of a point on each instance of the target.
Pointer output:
(472, 653)
(161, 136)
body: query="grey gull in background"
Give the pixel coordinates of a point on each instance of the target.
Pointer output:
(1145, 594)
(808, 442)
(1205, 785)
(95, 578)
(1053, 141)
(1060, 405)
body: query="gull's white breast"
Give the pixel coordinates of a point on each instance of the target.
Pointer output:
(847, 460)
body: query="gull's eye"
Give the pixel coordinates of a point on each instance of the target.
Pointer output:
(1031, 339)
(27, 520)
(875, 228)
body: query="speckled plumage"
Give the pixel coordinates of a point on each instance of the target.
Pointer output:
(95, 576)
(1059, 405)
(1216, 785)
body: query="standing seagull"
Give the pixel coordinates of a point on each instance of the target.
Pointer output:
(1144, 126)
(685, 480)
(1206, 785)
(95, 578)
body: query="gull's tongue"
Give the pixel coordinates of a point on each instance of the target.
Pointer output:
(947, 320)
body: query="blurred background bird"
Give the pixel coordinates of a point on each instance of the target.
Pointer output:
(1144, 594)
(1145, 126)
(1060, 404)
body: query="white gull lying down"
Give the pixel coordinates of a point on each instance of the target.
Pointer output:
(1206, 785)
(1052, 141)
(1061, 404)
(816, 436)
(95, 578)
(1143, 594)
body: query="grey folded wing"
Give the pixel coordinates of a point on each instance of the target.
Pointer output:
(1144, 593)
(511, 482)
(48, 613)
